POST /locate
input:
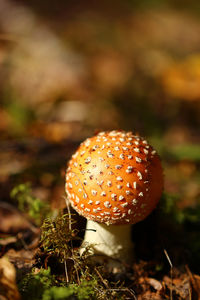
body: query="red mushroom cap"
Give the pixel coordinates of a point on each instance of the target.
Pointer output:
(114, 178)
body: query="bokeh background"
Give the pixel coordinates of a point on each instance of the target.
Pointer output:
(69, 69)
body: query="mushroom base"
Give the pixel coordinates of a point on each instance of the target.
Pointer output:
(111, 240)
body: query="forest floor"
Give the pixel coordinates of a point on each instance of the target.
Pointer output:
(67, 72)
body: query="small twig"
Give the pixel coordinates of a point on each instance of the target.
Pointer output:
(46, 261)
(21, 238)
(71, 244)
(104, 282)
(130, 291)
(69, 213)
(125, 290)
(66, 272)
(171, 272)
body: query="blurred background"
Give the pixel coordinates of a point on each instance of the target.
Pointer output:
(69, 69)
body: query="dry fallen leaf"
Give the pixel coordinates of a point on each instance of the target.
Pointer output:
(181, 80)
(12, 221)
(195, 283)
(8, 287)
(155, 284)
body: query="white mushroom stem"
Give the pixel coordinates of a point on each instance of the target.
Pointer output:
(111, 240)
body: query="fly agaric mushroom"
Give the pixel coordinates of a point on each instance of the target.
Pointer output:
(114, 179)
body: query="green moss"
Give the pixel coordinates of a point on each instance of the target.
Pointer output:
(86, 290)
(58, 293)
(21, 114)
(33, 206)
(56, 237)
(44, 285)
(33, 285)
